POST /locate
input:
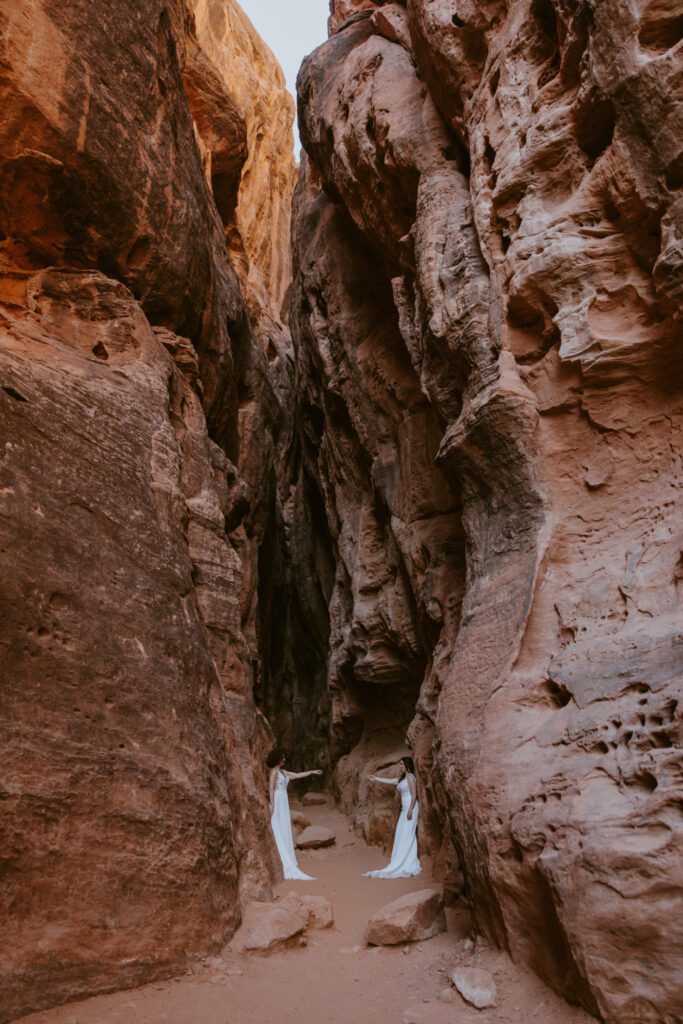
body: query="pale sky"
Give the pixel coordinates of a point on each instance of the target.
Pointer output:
(292, 28)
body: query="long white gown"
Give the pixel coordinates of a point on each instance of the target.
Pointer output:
(404, 861)
(281, 824)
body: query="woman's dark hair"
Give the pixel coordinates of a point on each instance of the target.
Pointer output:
(409, 764)
(275, 757)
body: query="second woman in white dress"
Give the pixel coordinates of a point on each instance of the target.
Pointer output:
(404, 861)
(280, 821)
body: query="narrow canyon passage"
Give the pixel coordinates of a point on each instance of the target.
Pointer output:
(375, 455)
(336, 978)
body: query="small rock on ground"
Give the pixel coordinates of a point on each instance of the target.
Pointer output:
(314, 836)
(299, 820)
(317, 908)
(313, 799)
(267, 927)
(476, 986)
(416, 916)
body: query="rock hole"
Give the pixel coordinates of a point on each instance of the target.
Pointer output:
(674, 174)
(595, 121)
(601, 748)
(13, 393)
(495, 79)
(522, 315)
(457, 21)
(489, 157)
(560, 694)
(662, 739)
(661, 25)
(100, 351)
(546, 19)
(548, 74)
(646, 780)
(138, 253)
(544, 40)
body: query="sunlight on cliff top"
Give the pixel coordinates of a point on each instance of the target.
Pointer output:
(291, 31)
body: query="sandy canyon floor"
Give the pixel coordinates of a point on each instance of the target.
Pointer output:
(335, 978)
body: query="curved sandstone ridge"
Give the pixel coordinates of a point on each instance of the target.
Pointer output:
(486, 318)
(131, 501)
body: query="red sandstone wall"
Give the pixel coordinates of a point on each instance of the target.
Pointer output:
(486, 311)
(132, 779)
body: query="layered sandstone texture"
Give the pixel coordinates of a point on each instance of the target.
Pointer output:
(486, 319)
(131, 384)
(258, 224)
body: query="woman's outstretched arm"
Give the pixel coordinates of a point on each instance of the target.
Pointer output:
(303, 775)
(387, 782)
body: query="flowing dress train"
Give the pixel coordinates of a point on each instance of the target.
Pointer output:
(281, 824)
(404, 861)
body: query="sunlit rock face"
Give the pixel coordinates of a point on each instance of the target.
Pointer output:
(258, 225)
(132, 388)
(486, 322)
(342, 10)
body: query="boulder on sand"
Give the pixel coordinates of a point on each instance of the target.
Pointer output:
(318, 909)
(419, 915)
(270, 926)
(299, 820)
(313, 799)
(315, 836)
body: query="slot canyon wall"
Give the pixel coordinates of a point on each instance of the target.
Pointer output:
(145, 190)
(486, 321)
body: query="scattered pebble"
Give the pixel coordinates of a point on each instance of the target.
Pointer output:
(476, 986)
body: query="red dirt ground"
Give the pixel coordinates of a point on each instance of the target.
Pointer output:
(335, 979)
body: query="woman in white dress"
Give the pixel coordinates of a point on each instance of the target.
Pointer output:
(280, 821)
(404, 861)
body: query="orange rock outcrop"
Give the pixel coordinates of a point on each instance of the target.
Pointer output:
(259, 239)
(131, 383)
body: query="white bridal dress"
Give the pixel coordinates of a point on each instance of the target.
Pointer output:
(281, 824)
(404, 860)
